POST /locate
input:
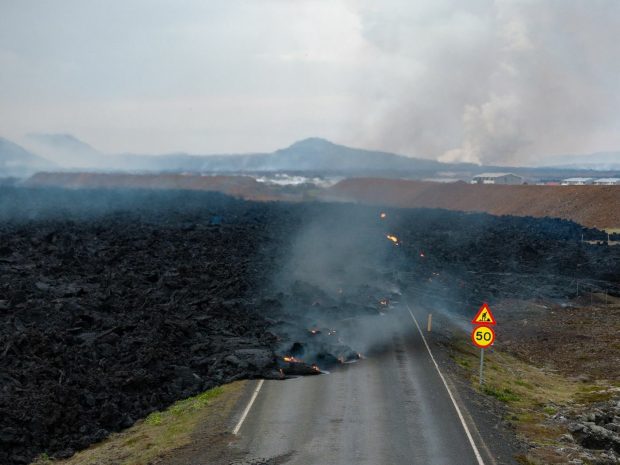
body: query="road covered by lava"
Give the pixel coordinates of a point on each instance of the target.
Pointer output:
(392, 408)
(114, 304)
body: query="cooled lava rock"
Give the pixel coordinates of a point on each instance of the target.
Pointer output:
(114, 304)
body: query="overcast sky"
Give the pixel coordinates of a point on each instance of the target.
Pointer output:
(488, 81)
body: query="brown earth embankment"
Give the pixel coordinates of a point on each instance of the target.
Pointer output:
(592, 206)
(237, 186)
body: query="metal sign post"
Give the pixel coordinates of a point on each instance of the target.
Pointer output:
(483, 335)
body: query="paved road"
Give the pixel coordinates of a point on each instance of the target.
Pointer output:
(391, 408)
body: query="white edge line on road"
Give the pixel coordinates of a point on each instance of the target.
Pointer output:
(458, 410)
(248, 407)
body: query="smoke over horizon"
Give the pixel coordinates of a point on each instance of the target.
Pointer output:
(499, 81)
(506, 82)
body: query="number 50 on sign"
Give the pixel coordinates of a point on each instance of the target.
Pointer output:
(483, 336)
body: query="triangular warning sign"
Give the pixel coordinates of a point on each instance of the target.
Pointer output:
(484, 316)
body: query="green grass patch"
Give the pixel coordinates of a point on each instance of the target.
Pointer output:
(158, 433)
(531, 395)
(43, 459)
(594, 394)
(523, 460)
(524, 384)
(154, 419)
(462, 361)
(502, 394)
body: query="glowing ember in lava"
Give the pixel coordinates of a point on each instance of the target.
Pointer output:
(383, 215)
(315, 367)
(393, 238)
(290, 359)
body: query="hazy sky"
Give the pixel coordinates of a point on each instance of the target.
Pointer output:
(494, 81)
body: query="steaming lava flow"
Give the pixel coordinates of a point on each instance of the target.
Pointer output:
(296, 367)
(129, 301)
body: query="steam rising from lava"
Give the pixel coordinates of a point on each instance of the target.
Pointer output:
(336, 287)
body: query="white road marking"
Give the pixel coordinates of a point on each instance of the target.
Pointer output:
(248, 407)
(458, 410)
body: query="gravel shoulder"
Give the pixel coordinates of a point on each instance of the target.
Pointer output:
(555, 395)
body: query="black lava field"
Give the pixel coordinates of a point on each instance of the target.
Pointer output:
(114, 304)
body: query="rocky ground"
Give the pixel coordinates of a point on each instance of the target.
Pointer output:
(114, 304)
(597, 431)
(109, 316)
(576, 343)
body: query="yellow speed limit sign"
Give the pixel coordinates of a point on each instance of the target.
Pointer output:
(483, 336)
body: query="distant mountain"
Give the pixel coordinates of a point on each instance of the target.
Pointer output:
(311, 154)
(19, 162)
(609, 161)
(65, 150)
(176, 162)
(320, 154)
(308, 155)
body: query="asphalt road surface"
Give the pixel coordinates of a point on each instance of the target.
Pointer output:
(391, 408)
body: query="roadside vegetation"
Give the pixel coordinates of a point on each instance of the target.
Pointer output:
(543, 394)
(157, 434)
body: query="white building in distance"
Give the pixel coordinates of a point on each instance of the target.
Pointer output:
(497, 178)
(577, 181)
(607, 182)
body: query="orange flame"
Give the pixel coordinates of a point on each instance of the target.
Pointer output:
(392, 238)
(291, 359)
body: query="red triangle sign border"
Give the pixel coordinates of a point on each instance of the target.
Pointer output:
(485, 307)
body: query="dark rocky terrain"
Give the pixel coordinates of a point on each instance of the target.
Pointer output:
(117, 303)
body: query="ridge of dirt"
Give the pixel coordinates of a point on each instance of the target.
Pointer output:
(592, 206)
(237, 186)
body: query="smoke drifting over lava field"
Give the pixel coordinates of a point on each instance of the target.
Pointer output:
(114, 304)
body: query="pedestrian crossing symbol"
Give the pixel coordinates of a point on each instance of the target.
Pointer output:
(484, 316)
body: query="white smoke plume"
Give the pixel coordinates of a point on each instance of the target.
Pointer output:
(498, 81)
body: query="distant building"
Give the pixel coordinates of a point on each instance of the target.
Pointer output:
(607, 182)
(497, 178)
(577, 181)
